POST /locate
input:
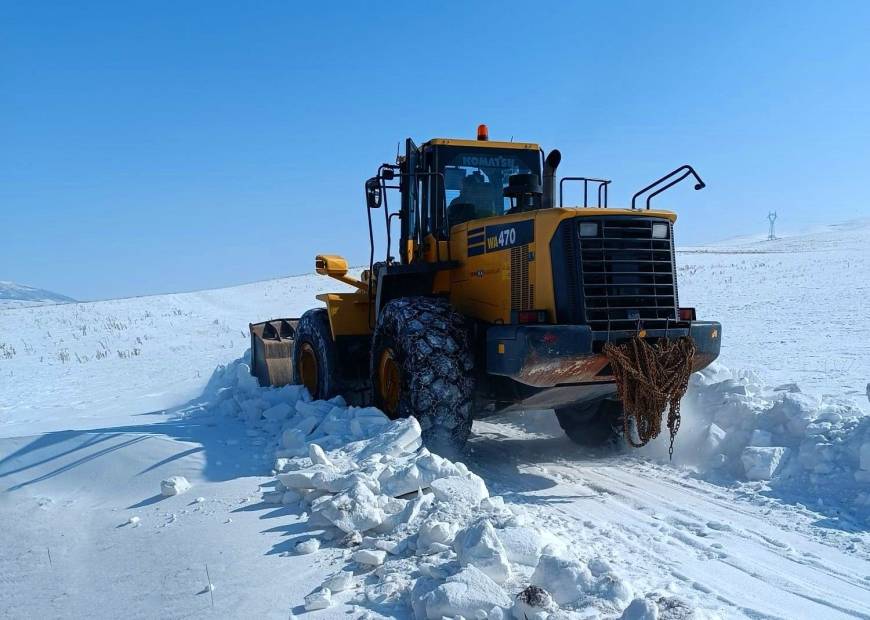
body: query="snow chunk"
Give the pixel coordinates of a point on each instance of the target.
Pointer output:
(641, 609)
(400, 437)
(318, 456)
(463, 490)
(479, 545)
(435, 532)
(245, 381)
(761, 438)
(339, 582)
(524, 545)
(796, 410)
(293, 438)
(290, 497)
(611, 587)
(464, 594)
(402, 478)
(279, 412)
(354, 510)
(307, 546)
(368, 422)
(174, 485)
(372, 557)
(714, 439)
(410, 513)
(565, 579)
(318, 600)
(761, 463)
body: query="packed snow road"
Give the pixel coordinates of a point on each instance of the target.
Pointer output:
(737, 551)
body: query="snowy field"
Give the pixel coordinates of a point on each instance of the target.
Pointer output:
(295, 505)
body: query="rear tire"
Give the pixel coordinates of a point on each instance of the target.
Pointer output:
(594, 423)
(421, 366)
(314, 358)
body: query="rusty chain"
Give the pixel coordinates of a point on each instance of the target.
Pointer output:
(650, 378)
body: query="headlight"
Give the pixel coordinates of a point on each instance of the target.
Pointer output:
(588, 229)
(659, 231)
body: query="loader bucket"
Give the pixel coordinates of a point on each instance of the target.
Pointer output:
(272, 351)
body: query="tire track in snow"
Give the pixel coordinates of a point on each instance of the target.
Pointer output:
(758, 562)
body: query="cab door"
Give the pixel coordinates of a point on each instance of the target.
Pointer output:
(410, 190)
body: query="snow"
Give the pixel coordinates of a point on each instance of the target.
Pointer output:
(464, 594)
(793, 310)
(14, 295)
(641, 609)
(566, 580)
(329, 511)
(761, 463)
(307, 546)
(339, 582)
(465, 490)
(174, 485)
(371, 557)
(318, 600)
(478, 545)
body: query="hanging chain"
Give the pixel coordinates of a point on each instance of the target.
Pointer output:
(649, 379)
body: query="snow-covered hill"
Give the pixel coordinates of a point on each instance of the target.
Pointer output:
(101, 401)
(14, 295)
(794, 309)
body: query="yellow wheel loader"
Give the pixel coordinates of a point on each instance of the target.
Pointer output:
(495, 296)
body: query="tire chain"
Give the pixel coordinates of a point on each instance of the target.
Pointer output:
(649, 379)
(439, 351)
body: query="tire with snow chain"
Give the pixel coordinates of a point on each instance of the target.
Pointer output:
(594, 423)
(314, 359)
(422, 365)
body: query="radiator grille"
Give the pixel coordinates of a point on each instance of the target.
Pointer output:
(627, 277)
(520, 291)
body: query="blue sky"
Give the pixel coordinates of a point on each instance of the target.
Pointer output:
(162, 146)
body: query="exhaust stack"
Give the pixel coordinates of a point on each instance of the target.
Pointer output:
(549, 189)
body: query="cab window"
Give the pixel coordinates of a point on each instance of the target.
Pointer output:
(474, 179)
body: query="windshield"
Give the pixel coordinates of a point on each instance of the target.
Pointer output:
(474, 179)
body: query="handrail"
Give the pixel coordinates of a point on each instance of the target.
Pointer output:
(685, 167)
(602, 183)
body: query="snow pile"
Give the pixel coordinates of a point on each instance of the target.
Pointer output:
(414, 531)
(808, 448)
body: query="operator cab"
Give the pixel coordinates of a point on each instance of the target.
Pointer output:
(461, 180)
(481, 182)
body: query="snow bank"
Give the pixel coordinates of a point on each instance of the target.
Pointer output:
(807, 449)
(420, 532)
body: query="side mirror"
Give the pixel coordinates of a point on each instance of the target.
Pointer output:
(373, 193)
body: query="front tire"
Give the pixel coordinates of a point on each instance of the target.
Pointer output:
(594, 423)
(314, 358)
(421, 366)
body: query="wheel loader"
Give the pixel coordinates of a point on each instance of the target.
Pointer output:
(495, 295)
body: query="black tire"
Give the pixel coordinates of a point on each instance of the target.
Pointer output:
(594, 423)
(429, 343)
(314, 335)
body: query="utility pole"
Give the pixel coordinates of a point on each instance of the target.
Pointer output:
(771, 235)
